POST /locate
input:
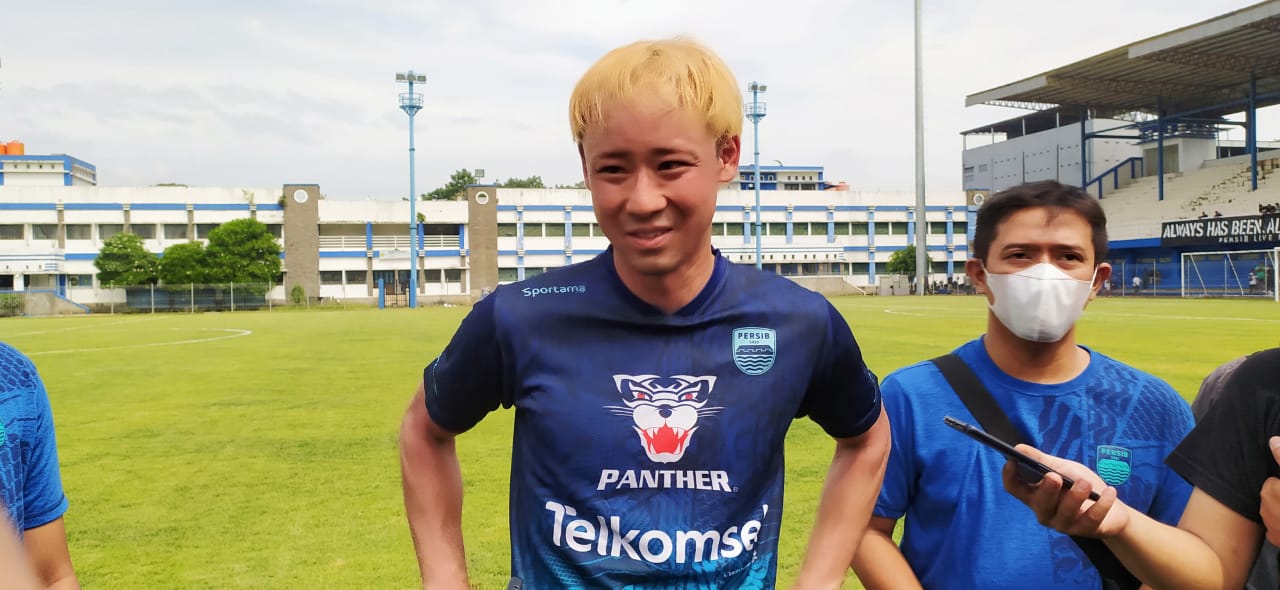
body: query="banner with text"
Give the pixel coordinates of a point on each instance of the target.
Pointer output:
(1211, 231)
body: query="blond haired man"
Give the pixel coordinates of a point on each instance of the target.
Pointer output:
(655, 383)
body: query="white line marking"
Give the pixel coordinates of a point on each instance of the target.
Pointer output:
(235, 334)
(1180, 317)
(896, 312)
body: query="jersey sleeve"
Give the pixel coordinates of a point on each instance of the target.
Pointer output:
(843, 397)
(43, 498)
(895, 492)
(1226, 455)
(467, 380)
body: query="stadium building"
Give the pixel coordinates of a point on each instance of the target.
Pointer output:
(1141, 127)
(835, 241)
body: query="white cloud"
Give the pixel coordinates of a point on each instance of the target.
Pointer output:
(239, 93)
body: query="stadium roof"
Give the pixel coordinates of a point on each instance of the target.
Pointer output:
(1203, 68)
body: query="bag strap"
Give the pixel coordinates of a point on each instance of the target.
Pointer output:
(983, 406)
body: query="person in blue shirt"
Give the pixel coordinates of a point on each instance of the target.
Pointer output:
(654, 384)
(30, 485)
(1037, 257)
(1232, 457)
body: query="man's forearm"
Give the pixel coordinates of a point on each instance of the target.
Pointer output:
(880, 564)
(432, 483)
(850, 491)
(1170, 558)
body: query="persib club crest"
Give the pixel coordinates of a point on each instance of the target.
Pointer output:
(1114, 464)
(754, 349)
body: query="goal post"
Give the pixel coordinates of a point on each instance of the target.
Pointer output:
(1231, 273)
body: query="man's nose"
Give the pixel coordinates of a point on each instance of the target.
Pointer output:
(648, 196)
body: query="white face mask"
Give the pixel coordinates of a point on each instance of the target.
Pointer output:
(1040, 303)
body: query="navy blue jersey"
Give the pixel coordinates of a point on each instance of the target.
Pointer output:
(648, 447)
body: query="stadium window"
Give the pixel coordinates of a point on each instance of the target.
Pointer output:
(938, 227)
(506, 230)
(356, 277)
(106, 230)
(800, 229)
(533, 271)
(960, 227)
(581, 230)
(331, 277)
(203, 229)
(146, 231)
(717, 229)
(44, 231)
(175, 231)
(453, 275)
(982, 167)
(79, 231)
(553, 230)
(776, 229)
(938, 267)
(882, 228)
(11, 231)
(431, 275)
(439, 229)
(858, 229)
(508, 275)
(791, 186)
(842, 228)
(859, 268)
(733, 229)
(277, 231)
(79, 280)
(898, 228)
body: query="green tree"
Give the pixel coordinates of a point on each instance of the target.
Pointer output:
(124, 261)
(184, 263)
(242, 251)
(531, 182)
(457, 185)
(581, 184)
(903, 262)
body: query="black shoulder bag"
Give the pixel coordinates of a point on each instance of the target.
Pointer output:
(978, 400)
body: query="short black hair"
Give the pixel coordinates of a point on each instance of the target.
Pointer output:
(1043, 193)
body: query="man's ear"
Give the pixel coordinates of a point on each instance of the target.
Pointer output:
(977, 276)
(1102, 275)
(728, 151)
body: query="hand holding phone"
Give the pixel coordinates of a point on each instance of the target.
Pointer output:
(1029, 470)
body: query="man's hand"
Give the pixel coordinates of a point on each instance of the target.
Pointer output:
(1271, 498)
(1069, 511)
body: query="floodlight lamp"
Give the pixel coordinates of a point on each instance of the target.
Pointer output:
(401, 77)
(420, 78)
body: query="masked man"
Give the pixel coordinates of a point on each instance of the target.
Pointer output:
(1036, 256)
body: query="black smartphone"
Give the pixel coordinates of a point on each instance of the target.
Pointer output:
(1029, 470)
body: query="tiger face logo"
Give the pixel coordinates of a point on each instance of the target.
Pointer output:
(664, 411)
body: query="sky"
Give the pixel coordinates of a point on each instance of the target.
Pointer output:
(263, 93)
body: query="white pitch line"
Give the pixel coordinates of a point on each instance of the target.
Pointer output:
(896, 312)
(237, 333)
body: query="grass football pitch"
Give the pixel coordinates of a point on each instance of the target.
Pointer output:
(258, 449)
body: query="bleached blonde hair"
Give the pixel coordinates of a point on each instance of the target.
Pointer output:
(677, 73)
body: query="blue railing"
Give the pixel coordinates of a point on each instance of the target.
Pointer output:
(1136, 169)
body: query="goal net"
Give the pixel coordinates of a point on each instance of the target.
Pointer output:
(1238, 273)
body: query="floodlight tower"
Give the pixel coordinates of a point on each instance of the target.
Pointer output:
(755, 112)
(411, 103)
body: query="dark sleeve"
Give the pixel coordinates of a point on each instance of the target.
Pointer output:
(1226, 454)
(843, 397)
(42, 493)
(467, 380)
